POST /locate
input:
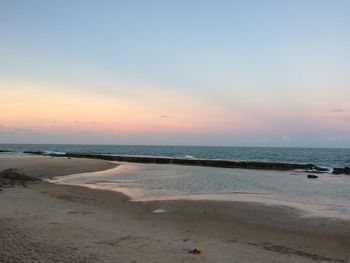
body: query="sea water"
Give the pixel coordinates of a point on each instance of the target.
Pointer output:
(326, 157)
(327, 196)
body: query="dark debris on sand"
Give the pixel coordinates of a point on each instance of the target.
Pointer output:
(11, 177)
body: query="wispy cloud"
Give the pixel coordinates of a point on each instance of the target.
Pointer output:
(337, 110)
(18, 131)
(165, 116)
(25, 131)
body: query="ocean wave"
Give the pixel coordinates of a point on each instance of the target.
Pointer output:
(189, 157)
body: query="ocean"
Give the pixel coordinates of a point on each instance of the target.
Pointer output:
(325, 157)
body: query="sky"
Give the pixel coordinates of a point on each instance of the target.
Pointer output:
(194, 72)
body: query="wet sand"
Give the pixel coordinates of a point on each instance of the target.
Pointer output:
(60, 223)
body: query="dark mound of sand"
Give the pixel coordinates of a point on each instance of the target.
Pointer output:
(11, 177)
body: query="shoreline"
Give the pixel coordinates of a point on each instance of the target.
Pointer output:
(104, 226)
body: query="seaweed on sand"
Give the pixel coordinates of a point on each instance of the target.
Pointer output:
(11, 177)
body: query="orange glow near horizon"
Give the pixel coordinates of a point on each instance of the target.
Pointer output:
(155, 111)
(163, 111)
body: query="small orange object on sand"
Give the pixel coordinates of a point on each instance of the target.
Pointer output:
(195, 251)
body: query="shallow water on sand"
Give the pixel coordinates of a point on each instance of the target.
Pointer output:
(327, 196)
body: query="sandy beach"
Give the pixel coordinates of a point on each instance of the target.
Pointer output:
(45, 222)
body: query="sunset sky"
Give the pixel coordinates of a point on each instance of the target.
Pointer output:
(194, 72)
